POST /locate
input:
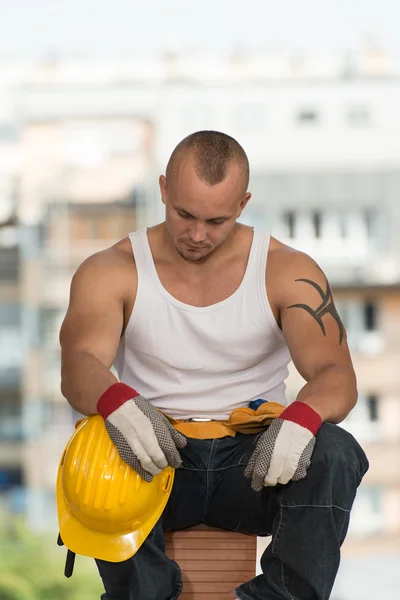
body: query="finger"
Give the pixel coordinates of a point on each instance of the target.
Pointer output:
(250, 465)
(130, 439)
(139, 469)
(296, 461)
(143, 439)
(287, 471)
(271, 479)
(257, 472)
(133, 425)
(262, 469)
(173, 457)
(253, 460)
(179, 439)
(171, 442)
(257, 482)
(129, 446)
(167, 445)
(146, 460)
(304, 461)
(261, 460)
(126, 454)
(274, 470)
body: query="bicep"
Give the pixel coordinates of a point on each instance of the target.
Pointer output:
(94, 319)
(312, 327)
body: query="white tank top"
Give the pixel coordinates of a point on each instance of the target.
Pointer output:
(192, 361)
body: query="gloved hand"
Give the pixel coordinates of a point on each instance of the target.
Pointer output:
(283, 452)
(144, 437)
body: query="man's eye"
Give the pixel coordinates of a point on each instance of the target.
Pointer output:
(184, 216)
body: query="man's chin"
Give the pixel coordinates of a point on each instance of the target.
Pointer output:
(193, 256)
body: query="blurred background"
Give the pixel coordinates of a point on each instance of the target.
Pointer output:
(94, 96)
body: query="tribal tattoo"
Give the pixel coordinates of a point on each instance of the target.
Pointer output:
(326, 307)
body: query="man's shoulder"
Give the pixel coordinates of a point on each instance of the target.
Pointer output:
(110, 264)
(286, 264)
(286, 258)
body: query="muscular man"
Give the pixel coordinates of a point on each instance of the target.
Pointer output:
(201, 315)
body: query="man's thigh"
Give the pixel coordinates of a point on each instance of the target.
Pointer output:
(186, 505)
(232, 503)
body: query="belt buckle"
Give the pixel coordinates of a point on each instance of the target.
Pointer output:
(198, 420)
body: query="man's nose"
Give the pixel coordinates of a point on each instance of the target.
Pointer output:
(198, 232)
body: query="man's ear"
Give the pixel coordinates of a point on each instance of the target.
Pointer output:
(243, 203)
(163, 188)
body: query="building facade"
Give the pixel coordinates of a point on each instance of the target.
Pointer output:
(324, 147)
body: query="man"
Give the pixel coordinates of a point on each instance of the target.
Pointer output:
(201, 315)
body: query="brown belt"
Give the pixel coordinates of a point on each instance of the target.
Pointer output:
(241, 420)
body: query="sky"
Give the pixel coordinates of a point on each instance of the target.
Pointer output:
(117, 28)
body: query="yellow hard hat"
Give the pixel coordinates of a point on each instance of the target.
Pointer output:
(105, 509)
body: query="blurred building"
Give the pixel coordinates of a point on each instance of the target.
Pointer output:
(11, 342)
(323, 141)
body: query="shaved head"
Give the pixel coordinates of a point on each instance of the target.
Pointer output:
(212, 153)
(204, 192)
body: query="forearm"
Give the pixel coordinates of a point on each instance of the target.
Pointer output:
(332, 393)
(83, 380)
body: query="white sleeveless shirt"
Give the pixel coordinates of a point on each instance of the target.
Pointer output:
(192, 361)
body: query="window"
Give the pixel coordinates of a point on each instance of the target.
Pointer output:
(250, 116)
(11, 347)
(196, 117)
(343, 231)
(10, 315)
(10, 477)
(359, 315)
(50, 320)
(364, 420)
(288, 219)
(367, 514)
(307, 117)
(9, 264)
(358, 116)
(370, 219)
(317, 223)
(88, 143)
(373, 407)
(10, 421)
(8, 132)
(370, 316)
(361, 319)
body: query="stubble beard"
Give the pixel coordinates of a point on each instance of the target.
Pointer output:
(193, 258)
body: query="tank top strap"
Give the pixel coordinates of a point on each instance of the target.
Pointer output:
(259, 252)
(139, 245)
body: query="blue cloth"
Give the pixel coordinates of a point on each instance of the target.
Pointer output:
(254, 404)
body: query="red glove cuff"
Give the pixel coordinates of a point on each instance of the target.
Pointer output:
(114, 397)
(303, 415)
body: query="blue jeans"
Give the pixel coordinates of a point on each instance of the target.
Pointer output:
(308, 520)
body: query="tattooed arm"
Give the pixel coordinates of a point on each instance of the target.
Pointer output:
(314, 333)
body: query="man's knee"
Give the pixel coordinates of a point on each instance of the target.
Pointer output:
(338, 449)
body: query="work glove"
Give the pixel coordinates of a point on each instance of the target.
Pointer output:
(283, 452)
(144, 437)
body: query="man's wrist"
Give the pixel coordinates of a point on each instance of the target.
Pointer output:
(304, 415)
(114, 397)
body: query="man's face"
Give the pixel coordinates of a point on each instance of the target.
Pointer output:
(200, 217)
